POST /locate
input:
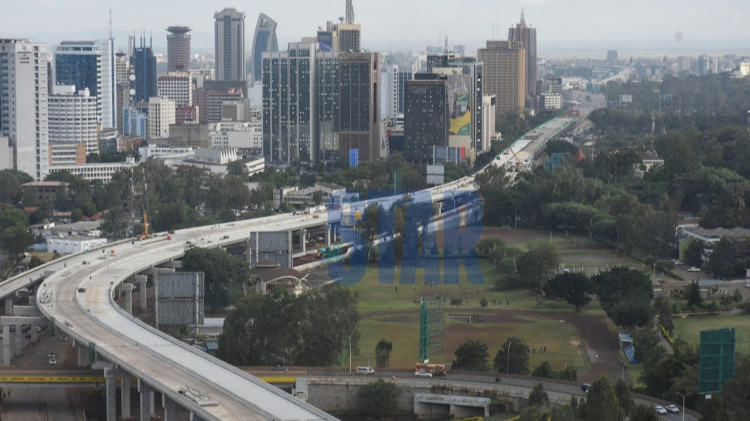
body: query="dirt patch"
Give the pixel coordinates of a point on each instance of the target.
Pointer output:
(514, 236)
(577, 346)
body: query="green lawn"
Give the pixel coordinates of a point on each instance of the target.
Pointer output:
(689, 329)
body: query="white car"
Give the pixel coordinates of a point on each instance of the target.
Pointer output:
(660, 410)
(673, 409)
(53, 361)
(422, 373)
(51, 355)
(693, 269)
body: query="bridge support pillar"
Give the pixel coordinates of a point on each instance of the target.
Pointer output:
(147, 400)
(111, 386)
(141, 281)
(195, 417)
(125, 395)
(8, 306)
(127, 288)
(156, 301)
(7, 341)
(34, 334)
(19, 341)
(302, 236)
(328, 236)
(290, 250)
(169, 408)
(248, 252)
(82, 356)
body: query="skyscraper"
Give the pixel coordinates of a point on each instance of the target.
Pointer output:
(527, 37)
(73, 123)
(90, 65)
(505, 75)
(264, 41)
(178, 48)
(389, 91)
(229, 41)
(327, 106)
(425, 116)
(145, 72)
(349, 33)
(24, 104)
(161, 113)
(359, 105)
(289, 105)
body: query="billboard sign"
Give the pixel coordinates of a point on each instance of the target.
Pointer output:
(353, 158)
(460, 104)
(716, 364)
(325, 41)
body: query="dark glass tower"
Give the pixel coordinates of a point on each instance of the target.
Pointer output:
(144, 63)
(264, 41)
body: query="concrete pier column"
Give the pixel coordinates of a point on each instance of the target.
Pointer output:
(111, 388)
(147, 395)
(156, 298)
(19, 341)
(141, 280)
(127, 288)
(248, 252)
(290, 250)
(125, 395)
(328, 236)
(6, 346)
(82, 355)
(169, 408)
(195, 417)
(8, 306)
(302, 241)
(152, 403)
(34, 334)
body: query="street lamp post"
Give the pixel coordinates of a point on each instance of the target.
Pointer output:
(683, 403)
(507, 365)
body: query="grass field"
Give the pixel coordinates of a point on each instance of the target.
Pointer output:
(391, 311)
(689, 329)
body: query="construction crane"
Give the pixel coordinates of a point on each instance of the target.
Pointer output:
(145, 234)
(519, 164)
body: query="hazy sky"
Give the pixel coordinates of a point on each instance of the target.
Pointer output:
(403, 23)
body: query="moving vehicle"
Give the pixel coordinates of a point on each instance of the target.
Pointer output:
(422, 373)
(51, 355)
(433, 369)
(365, 370)
(673, 409)
(585, 387)
(63, 338)
(53, 361)
(693, 269)
(660, 410)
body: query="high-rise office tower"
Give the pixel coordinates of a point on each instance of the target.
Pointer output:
(134, 122)
(177, 87)
(161, 113)
(359, 105)
(349, 33)
(289, 105)
(389, 91)
(122, 86)
(612, 56)
(327, 106)
(505, 75)
(90, 65)
(144, 63)
(73, 125)
(24, 104)
(527, 37)
(229, 42)
(403, 76)
(426, 116)
(178, 48)
(264, 41)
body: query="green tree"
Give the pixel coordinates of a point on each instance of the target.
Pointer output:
(666, 315)
(483, 302)
(537, 265)
(538, 397)
(237, 168)
(723, 261)
(471, 355)
(575, 288)
(544, 371)
(624, 398)
(368, 228)
(645, 413)
(601, 402)
(625, 294)
(222, 271)
(693, 294)
(14, 235)
(383, 353)
(647, 345)
(11, 182)
(517, 362)
(115, 223)
(378, 399)
(533, 414)
(693, 254)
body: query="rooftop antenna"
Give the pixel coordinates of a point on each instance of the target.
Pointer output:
(110, 23)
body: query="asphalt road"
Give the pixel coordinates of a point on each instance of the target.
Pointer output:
(43, 404)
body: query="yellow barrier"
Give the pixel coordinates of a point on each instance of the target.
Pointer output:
(664, 331)
(279, 379)
(94, 379)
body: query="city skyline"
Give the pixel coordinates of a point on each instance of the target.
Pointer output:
(691, 24)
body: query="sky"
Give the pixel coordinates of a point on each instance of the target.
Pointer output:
(401, 24)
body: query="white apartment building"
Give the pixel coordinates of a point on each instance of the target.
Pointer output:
(73, 120)
(155, 151)
(96, 172)
(389, 94)
(177, 87)
(23, 104)
(73, 244)
(161, 113)
(488, 121)
(245, 136)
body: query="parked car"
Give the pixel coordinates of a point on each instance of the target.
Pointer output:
(422, 373)
(660, 410)
(365, 370)
(693, 269)
(53, 361)
(673, 409)
(63, 338)
(585, 387)
(51, 355)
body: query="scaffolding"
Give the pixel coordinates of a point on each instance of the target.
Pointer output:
(717, 359)
(431, 317)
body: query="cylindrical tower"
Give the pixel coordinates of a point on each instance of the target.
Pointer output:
(178, 48)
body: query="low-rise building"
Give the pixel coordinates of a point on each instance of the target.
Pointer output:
(294, 195)
(73, 244)
(246, 137)
(47, 190)
(96, 172)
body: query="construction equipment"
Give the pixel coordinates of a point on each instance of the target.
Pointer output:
(145, 234)
(519, 164)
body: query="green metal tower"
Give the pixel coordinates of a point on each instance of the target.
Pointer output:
(424, 332)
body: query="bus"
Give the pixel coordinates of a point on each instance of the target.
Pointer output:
(435, 369)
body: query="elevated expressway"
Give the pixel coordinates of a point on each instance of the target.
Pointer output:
(77, 293)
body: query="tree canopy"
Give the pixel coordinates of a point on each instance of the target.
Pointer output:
(471, 355)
